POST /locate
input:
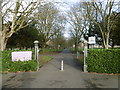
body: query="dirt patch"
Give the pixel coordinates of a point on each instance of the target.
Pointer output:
(6, 72)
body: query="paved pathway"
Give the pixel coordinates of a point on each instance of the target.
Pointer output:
(50, 76)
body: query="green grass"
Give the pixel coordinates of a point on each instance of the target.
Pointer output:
(72, 50)
(80, 59)
(44, 59)
(80, 49)
(50, 50)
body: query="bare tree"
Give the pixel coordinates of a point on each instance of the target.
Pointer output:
(19, 15)
(78, 21)
(101, 12)
(0, 20)
(49, 23)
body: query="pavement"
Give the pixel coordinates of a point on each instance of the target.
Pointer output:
(50, 76)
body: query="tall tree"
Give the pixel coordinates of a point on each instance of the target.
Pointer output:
(23, 38)
(78, 21)
(59, 41)
(48, 25)
(19, 13)
(0, 22)
(98, 12)
(115, 34)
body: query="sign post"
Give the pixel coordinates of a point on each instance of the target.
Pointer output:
(85, 55)
(36, 52)
(92, 41)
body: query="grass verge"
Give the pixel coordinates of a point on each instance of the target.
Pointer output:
(44, 51)
(44, 59)
(80, 59)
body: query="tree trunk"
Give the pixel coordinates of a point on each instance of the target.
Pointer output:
(104, 44)
(1, 48)
(0, 26)
(113, 44)
(4, 36)
(76, 47)
(3, 43)
(106, 41)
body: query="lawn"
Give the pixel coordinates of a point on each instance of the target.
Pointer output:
(50, 50)
(80, 59)
(44, 59)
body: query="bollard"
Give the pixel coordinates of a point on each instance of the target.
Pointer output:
(61, 65)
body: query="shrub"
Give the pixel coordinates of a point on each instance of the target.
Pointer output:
(81, 50)
(104, 61)
(9, 65)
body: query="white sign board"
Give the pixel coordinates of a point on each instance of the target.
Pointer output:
(22, 56)
(73, 46)
(91, 40)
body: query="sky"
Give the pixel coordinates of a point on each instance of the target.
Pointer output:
(64, 6)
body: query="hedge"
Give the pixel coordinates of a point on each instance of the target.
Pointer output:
(103, 61)
(10, 66)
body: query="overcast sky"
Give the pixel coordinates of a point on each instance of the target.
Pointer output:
(64, 6)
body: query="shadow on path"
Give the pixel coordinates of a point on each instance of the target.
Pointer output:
(69, 59)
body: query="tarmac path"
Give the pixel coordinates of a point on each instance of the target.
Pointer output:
(50, 76)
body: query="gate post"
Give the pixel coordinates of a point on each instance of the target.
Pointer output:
(85, 55)
(36, 52)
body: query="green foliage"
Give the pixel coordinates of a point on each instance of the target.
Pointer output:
(115, 34)
(59, 41)
(72, 49)
(104, 61)
(24, 37)
(80, 50)
(50, 50)
(10, 66)
(80, 59)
